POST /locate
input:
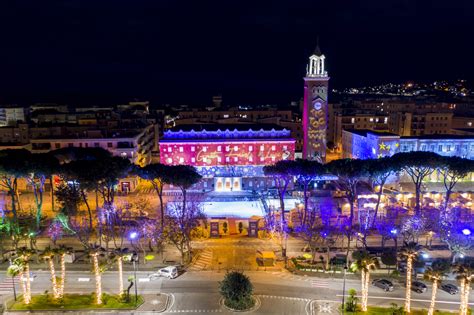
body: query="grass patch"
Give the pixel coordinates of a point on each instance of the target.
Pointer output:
(375, 310)
(74, 302)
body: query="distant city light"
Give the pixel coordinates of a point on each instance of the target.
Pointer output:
(466, 232)
(425, 255)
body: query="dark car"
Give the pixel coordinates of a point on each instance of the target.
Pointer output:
(383, 284)
(418, 287)
(450, 288)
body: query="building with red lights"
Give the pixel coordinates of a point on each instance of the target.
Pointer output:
(230, 157)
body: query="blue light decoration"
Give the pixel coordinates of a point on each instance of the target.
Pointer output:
(226, 133)
(394, 231)
(133, 235)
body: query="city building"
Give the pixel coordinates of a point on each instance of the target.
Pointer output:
(11, 115)
(365, 144)
(229, 157)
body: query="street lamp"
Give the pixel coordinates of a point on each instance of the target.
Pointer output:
(134, 260)
(344, 288)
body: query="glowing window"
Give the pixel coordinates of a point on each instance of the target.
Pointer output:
(262, 159)
(193, 160)
(262, 148)
(227, 159)
(204, 159)
(371, 119)
(273, 148)
(193, 148)
(250, 159)
(169, 160)
(285, 147)
(219, 159)
(236, 159)
(236, 148)
(219, 148)
(353, 120)
(227, 148)
(170, 149)
(204, 149)
(273, 159)
(250, 148)
(181, 160)
(181, 149)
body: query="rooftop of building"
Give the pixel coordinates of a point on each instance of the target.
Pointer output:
(439, 137)
(225, 127)
(364, 132)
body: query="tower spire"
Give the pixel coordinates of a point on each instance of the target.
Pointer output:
(317, 50)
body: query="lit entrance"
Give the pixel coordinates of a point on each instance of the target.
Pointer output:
(227, 183)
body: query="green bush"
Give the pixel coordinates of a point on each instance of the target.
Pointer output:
(351, 304)
(236, 289)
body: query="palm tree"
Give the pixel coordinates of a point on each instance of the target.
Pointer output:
(364, 263)
(465, 274)
(62, 251)
(118, 255)
(94, 252)
(23, 260)
(434, 274)
(409, 252)
(48, 255)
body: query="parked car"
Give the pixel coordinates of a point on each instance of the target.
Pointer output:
(418, 287)
(450, 288)
(383, 284)
(170, 272)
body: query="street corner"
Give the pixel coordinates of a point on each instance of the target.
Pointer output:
(159, 302)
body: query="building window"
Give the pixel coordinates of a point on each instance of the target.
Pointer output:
(440, 148)
(273, 159)
(371, 119)
(109, 145)
(193, 148)
(70, 145)
(273, 148)
(219, 148)
(262, 159)
(57, 145)
(352, 120)
(193, 159)
(204, 159)
(236, 159)
(87, 145)
(262, 148)
(219, 159)
(250, 148)
(227, 148)
(448, 148)
(236, 148)
(250, 159)
(96, 144)
(170, 149)
(204, 149)
(285, 147)
(181, 149)
(181, 160)
(227, 159)
(169, 160)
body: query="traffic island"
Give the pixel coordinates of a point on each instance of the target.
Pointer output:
(46, 302)
(252, 304)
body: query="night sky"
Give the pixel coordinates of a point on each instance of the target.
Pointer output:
(99, 51)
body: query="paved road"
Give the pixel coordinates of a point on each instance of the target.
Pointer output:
(278, 292)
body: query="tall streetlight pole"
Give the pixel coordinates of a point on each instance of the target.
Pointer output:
(344, 288)
(135, 260)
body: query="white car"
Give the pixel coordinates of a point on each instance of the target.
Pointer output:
(170, 272)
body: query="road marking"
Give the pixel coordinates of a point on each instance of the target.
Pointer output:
(195, 311)
(403, 299)
(318, 283)
(284, 298)
(83, 279)
(7, 284)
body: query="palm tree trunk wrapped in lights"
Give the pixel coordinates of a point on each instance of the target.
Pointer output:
(465, 274)
(98, 279)
(26, 299)
(27, 290)
(53, 277)
(63, 274)
(410, 252)
(120, 272)
(433, 297)
(364, 263)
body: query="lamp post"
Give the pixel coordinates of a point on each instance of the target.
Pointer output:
(134, 261)
(344, 288)
(13, 281)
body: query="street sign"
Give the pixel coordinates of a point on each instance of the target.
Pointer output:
(214, 229)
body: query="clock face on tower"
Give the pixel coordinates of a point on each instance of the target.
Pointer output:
(317, 105)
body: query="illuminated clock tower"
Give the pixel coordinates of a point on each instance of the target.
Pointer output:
(315, 108)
